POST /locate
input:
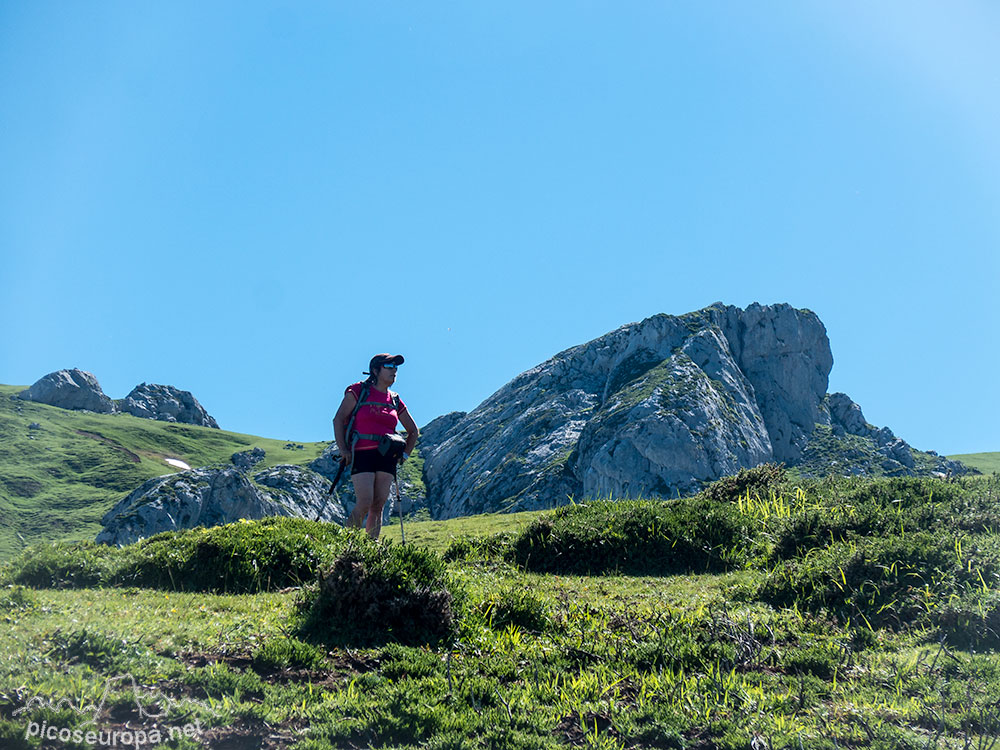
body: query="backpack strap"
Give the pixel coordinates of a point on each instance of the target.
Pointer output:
(352, 436)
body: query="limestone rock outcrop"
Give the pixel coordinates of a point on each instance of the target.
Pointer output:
(70, 389)
(212, 497)
(77, 389)
(843, 442)
(246, 460)
(166, 404)
(303, 492)
(656, 408)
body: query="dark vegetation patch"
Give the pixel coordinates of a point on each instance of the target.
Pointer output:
(898, 581)
(327, 669)
(62, 565)
(762, 481)
(631, 368)
(20, 486)
(516, 606)
(287, 653)
(114, 444)
(895, 553)
(377, 593)
(640, 537)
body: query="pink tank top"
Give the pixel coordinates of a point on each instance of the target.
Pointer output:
(374, 419)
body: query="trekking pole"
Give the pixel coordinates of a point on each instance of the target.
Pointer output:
(399, 504)
(333, 487)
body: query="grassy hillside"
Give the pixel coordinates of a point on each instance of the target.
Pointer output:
(58, 480)
(842, 613)
(985, 462)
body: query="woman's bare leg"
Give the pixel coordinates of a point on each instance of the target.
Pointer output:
(364, 490)
(383, 483)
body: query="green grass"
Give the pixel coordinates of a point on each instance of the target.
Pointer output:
(985, 462)
(770, 652)
(438, 535)
(59, 480)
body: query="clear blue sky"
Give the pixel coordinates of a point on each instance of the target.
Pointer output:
(247, 199)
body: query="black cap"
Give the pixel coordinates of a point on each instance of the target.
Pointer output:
(380, 359)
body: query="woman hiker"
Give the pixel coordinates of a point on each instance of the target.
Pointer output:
(373, 472)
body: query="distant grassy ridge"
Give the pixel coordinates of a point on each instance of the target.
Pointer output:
(57, 481)
(985, 462)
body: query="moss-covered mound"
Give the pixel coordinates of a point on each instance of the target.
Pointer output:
(641, 537)
(241, 557)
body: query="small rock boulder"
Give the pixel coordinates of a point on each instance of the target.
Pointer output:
(70, 389)
(166, 404)
(246, 460)
(328, 463)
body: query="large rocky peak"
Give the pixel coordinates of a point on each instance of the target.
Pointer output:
(655, 408)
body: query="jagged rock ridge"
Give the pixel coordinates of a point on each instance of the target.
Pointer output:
(79, 390)
(655, 408)
(844, 442)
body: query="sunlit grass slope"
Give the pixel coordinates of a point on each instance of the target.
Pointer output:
(985, 462)
(58, 479)
(438, 535)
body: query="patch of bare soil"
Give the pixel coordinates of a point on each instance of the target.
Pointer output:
(569, 730)
(253, 734)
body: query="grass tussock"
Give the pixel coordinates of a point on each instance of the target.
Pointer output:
(379, 593)
(638, 537)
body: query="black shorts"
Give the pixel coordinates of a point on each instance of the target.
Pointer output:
(371, 460)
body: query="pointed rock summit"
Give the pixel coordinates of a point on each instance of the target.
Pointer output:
(656, 408)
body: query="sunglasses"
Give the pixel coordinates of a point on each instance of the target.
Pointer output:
(389, 365)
